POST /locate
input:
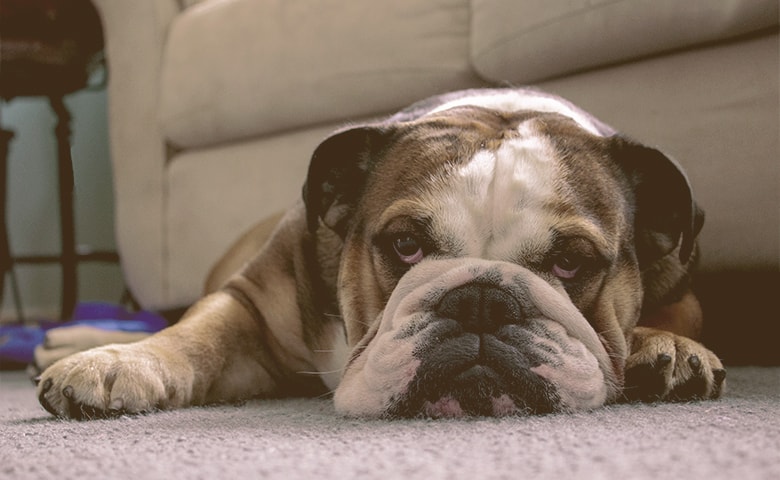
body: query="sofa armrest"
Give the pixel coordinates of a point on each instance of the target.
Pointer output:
(135, 33)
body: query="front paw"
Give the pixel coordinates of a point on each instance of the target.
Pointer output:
(663, 366)
(112, 380)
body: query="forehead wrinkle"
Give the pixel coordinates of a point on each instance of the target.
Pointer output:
(578, 226)
(501, 199)
(512, 101)
(404, 207)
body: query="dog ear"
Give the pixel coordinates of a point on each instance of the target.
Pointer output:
(337, 175)
(666, 215)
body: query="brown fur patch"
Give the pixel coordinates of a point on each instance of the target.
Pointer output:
(683, 317)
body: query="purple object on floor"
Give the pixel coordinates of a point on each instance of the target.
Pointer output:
(18, 342)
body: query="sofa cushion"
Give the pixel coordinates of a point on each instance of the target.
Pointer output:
(526, 41)
(241, 68)
(715, 110)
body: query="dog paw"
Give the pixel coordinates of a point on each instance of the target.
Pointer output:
(111, 381)
(663, 366)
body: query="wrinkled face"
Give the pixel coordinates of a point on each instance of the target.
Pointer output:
(488, 270)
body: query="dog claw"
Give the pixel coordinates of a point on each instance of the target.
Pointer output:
(42, 396)
(695, 363)
(663, 360)
(720, 376)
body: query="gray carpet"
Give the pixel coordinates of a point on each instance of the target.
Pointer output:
(737, 437)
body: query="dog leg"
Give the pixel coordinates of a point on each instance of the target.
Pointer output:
(193, 362)
(242, 341)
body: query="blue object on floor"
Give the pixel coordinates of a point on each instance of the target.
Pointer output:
(18, 342)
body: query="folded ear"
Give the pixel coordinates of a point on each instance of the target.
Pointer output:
(337, 175)
(666, 215)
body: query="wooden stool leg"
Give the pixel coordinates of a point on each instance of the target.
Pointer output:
(6, 260)
(5, 250)
(67, 228)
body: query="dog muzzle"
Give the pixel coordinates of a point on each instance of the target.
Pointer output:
(463, 337)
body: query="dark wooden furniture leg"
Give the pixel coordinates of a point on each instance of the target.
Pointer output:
(5, 250)
(6, 260)
(68, 235)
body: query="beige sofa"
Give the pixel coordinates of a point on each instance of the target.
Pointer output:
(216, 105)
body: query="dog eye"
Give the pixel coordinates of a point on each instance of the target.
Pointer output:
(566, 267)
(408, 249)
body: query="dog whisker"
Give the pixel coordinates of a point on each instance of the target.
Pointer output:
(326, 394)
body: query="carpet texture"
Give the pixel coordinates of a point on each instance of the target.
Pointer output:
(737, 437)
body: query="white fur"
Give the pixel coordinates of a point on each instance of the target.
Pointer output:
(496, 203)
(383, 370)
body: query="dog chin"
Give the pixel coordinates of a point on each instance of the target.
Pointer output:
(538, 356)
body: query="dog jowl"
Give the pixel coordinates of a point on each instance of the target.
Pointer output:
(485, 252)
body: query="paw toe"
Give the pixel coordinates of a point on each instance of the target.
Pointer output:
(694, 388)
(646, 382)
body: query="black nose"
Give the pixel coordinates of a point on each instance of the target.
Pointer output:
(480, 308)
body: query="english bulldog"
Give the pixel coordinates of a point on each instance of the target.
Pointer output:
(481, 253)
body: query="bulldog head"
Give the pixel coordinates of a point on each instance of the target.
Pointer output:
(492, 254)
